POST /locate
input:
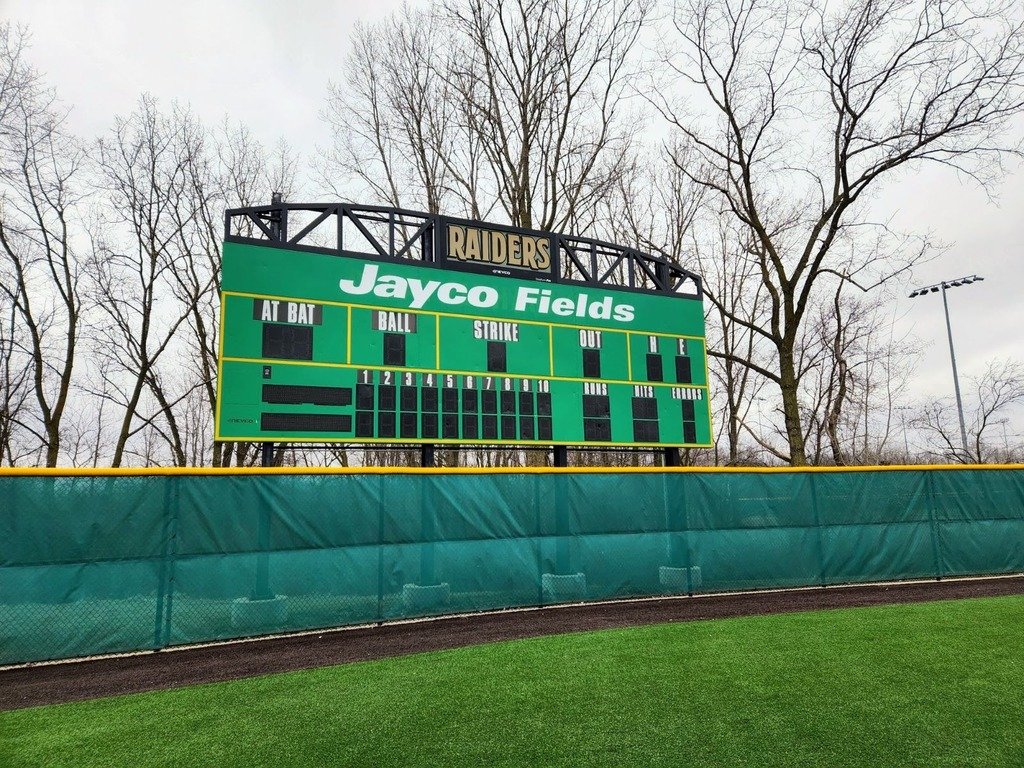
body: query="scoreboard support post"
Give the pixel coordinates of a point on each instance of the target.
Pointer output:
(427, 455)
(427, 558)
(672, 457)
(277, 218)
(677, 551)
(561, 457)
(261, 590)
(563, 563)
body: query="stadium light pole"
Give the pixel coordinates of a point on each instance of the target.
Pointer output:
(943, 286)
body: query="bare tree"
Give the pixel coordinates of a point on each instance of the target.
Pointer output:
(392, 117)
(858, 370)
(654, 205)
(145, 168)
(543, 84)
(40, 166)
(225, 168)
(19, 83)
(730, 273)
(657, 207)
(483, 105)
(997, 390)
(808, 108)
(15, 386)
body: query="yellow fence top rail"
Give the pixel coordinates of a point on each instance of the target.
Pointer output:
(229, 471)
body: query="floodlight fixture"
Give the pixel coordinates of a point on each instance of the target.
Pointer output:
(945, 284)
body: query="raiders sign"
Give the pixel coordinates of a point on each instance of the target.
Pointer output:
(500, 250)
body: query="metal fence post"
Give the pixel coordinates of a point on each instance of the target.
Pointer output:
(168, 556)
(175, 515)
(687, 545)
(428, 530)
(563, 556)
(929, 485)
(161, 580)
(820, 553)
(380, 548)
(261, 589)
(538, 537)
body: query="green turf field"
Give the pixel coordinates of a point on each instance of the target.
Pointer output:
(938, 684)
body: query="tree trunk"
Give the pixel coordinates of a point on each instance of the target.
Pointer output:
(791, 407)
(52, 444)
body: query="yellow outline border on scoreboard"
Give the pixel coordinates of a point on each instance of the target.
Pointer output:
(415, 441)
(220, 371)
(458, 314)
(397, 441)
(437, 361)
(437, 344)
(551, 351)
(348, 335)
(440, 372)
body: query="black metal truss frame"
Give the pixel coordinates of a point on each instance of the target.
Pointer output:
(396, 234)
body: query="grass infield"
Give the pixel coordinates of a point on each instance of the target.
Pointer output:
(933, 684)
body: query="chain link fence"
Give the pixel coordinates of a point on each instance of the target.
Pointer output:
(106, 563)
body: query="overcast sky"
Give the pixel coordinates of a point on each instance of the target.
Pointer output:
(268, 64)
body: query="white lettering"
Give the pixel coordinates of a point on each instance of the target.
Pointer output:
(601, 310)
(390, 287)
(525, 298)
(624, 313)
(482, 296)
(421, 292)
(366, 281)
(537, 300)
(563, 307)
(452, 293)
(491, 330)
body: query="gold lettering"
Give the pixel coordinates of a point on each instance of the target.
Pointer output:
(473, 244)
(514, 255)
(499, 247)
(485, 245)
(529, 252)
(543, 253)
(456, 242)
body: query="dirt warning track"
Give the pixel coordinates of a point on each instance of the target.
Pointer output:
(41, 684)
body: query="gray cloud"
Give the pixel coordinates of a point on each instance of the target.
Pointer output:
(267, 65)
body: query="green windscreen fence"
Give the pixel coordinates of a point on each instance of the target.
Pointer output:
(100, 564)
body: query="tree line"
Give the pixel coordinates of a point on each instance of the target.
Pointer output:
(742, 139)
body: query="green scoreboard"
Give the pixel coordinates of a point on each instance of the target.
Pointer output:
(327, 347)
